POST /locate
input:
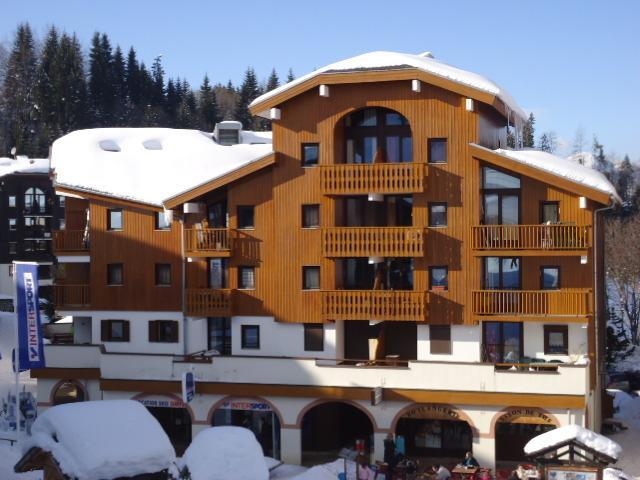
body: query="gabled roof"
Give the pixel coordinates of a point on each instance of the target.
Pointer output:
(423, 67)
(564, 173)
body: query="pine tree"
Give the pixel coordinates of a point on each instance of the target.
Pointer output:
(248, 92)
(290, 76)
(46, 96)
(172, 102)
(70, 85)
(157, 74)
(19, 108)
(625, 179)
(187, 115)
(208, 107)
(600, 160)
(101, 85)
(548, 142)
(273, 81)
(118, 77)
(529, 132)
(132, 78)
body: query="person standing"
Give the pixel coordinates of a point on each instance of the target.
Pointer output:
(390, 452)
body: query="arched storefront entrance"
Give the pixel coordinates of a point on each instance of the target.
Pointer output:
(514, 427)
(174, 418)
(330, 426)
(255, 414)
(436, 431)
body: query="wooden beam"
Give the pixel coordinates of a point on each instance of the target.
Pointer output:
(70, 373)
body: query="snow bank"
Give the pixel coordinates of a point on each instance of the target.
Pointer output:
(149, 165)
(103, 439)
(562, 167)
(615, 474)
(9, 456)
(225, 453)
(561, 435)
(22, 164)
(395, 60)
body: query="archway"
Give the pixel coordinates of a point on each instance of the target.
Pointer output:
(513, 427)
(328, 427)
(256, 414)
(437, 431)
(68, 391)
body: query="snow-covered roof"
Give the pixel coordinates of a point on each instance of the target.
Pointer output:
(225, 453)
(103, 439)
(22, 164)
(561, 167)
(382, 60)
(586, 437)
(148, 165)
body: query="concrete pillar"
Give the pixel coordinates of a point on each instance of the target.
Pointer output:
(378, 446)
(484, 450)
(197, 428)
(291, 445)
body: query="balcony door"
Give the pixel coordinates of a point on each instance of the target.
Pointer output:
(502, 273)
(218, 215)
(218, 273)
(502, 342)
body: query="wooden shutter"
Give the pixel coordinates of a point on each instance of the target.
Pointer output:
(153, 331)
(125, 329)
(105, 331)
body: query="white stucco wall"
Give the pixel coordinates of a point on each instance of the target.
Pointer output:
(534, 340)
(280, 339)
(465, 344)
(6, 282)
(196, 331)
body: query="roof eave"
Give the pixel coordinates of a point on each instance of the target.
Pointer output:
(89, 194)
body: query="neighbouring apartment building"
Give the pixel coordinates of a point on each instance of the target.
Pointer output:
(381, 263)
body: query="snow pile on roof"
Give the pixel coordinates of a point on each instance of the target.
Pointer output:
(583, 158)
(562, 167)
(225, 453)
(394, 60)
(149, 165)
(22, 164)
(564, 434)
(103, 439)
(615, 474)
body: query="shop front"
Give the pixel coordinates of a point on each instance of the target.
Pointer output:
(257, 416)
(515, 428)
(174, 419)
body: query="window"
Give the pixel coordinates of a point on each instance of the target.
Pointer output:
(246, 216)
(13, 248)
(246, 278)
(440, 339)
(115, 274)
(550, 277)
(502, 273)
(218, 273)
(439, 278)
(310, 278)
(12, 200)
(377, 135)
(310, 216)
(36, 226)
(502, 342)
(496, 179)
(556, 340)
(12, 224)
(35, 201)
(163, 331)
(163, 274)
(220, 335)
(68, 392)
(114, 330)
(164, 220)
(310, 154)
(36, 245)
(115, 220)
(437, 150)
(437, 214)
(62, 201)
(250, 337)
(313, 337)
(549, 212)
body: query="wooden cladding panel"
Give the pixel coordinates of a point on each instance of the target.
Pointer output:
(138, 247)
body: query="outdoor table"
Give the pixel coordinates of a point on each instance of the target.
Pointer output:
(464, 472)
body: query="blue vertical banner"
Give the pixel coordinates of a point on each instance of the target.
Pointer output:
(31, 351)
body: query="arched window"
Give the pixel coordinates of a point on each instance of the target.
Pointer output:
(377, 135)
(68, 391)
(35, 201)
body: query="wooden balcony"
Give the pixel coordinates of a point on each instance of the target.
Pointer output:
(208, 302)
(209, 242)
(567, 302)
(70, 242)
(374, 305)
(72, 297)
(559, 239)
(350, 179)
(373, 242)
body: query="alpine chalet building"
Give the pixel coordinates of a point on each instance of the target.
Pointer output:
(381, 264)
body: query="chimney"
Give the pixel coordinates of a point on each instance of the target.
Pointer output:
(227, 132)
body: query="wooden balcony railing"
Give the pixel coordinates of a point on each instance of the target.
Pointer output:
(72, 296)
(373, 241)
(345, 179)
(531, 237)
(69, 241)
(552, 303)
(208, 302)
(209, 242)
(374, 305)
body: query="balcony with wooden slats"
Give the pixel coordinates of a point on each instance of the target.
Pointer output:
(69, 242)
(385, 178)
(557, 239)
(209, 242)
(373, 241)
(566, 302)
(72, 297)
(374, 305)
(208, 302)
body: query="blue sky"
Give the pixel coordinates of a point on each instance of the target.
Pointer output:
(573, 63)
